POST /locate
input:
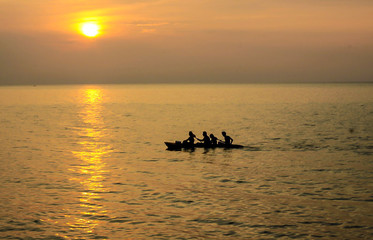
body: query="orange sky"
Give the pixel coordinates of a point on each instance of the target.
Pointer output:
(186, 41)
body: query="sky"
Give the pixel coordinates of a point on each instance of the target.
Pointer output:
(194, 41)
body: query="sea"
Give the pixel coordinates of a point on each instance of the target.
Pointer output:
(89, 162)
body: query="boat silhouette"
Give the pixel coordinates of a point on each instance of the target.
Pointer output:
(177, 145)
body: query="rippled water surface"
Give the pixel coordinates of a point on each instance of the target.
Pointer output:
(89, 162)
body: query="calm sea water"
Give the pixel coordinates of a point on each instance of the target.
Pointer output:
(89, 162)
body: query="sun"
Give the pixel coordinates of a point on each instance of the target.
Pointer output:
(90, 29)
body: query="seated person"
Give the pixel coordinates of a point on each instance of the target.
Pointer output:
(214, 140)
(206, 140)
(227, 139)
(190, 139)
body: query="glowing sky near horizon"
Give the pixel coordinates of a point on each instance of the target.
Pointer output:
(186, 41)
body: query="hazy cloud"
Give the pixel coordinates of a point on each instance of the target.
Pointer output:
(187, 41)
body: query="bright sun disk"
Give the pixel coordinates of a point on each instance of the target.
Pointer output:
(90, 29)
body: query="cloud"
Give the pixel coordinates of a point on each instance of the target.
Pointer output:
(312, 15)
(231, 56)
(186, 41)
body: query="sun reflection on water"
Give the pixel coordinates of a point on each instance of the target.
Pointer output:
(91, 170)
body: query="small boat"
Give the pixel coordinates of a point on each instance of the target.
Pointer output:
(179, 145)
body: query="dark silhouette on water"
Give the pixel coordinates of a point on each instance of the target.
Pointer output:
(227, 139)
(190, 140)
(214, 140)
(206, 140)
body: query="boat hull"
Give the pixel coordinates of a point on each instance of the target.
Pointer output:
(178, 145)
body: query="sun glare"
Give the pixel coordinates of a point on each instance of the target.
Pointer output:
(90, 29)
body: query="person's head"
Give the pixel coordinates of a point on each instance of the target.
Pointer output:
(212, 135)
(204, 133)
(223, 133)
(191, 133)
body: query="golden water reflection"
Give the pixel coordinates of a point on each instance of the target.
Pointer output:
(91, 170)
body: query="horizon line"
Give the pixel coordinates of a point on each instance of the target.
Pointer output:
(185, 83)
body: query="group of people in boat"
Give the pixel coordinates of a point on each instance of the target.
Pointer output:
(209, 141)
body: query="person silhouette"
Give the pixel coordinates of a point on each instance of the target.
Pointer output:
(214, 140)
(227, 139)
(206, 140)
(190, 139)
